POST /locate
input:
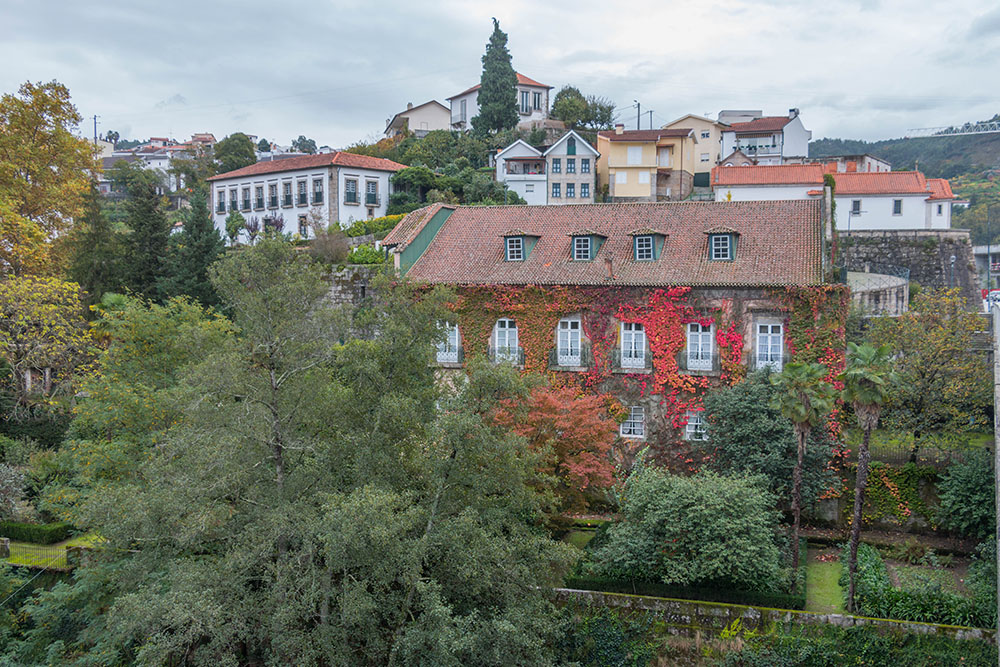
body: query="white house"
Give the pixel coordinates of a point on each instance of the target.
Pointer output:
(571, 168)
(767, 139)
(532, 103)
(767, 183)
(864, 162)
(521, 167)
(420, 119)
(306, 192)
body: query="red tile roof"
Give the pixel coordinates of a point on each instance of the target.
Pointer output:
(408, 228)
(336, 159)
(940, 188)
(779, 244)
(645, 135)
(881, 183)
(765, 124)
(778, 174)
(521, 81)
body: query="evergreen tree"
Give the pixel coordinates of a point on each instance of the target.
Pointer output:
(498, 87)
(192, 252)
(95, 251)
(147, 244)
(264, 145)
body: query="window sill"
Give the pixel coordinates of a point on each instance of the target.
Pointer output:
(569, 369)
(352, 203)
(447, 364)
(632, 437)
(627, 371)
(711, 373)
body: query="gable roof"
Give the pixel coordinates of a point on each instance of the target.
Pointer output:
(940, 188)
(524, 143)
(780, 244)
(881, 183)
(778, 174)
(335, 159)
(521, 81)
(765, 124)
(419, 106)
(407, 229)
(579, 141)
(646, 135)
(697, 117)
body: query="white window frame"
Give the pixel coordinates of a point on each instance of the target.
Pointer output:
(514, 248)
(769, 344)
(700, 346)
(695, 428)
(569, 339)
(505, 342)
(722, 248)
(621, 177)
(634, 155)
(704, 157)
(635, 425)
(582, 246)
(645, 248)
(633, 347)
(643, 177)
(571, 191)
(447, 349)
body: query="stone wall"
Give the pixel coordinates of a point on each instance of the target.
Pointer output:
(351, 284)
(926, 253)
(689, 618)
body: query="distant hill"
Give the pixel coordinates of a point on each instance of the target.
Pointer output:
(938, 156)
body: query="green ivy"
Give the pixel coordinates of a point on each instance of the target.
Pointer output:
(893, 493)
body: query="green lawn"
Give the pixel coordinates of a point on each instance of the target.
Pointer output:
(579, 538)
(916, 577)
(823, 593)
(47, 555)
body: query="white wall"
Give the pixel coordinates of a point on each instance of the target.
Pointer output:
(427, 118)
(940, 220)
(796, 143)
(471, 109)
(877, 212)
(347, 213)
(764, 192)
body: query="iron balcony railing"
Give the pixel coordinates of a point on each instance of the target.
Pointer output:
(287, 200)
(233, 206)
(631, 360)
(317, 197)
(350, 197)
(273, 202)
(246, 204)
(221, 208)
(577, 356)
(698, 362)
(372, 199)
(773, 361)
(449, 354)
(303, 199)
(507, 355)
(258, 203)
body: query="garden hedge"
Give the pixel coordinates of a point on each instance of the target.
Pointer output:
(36, 533)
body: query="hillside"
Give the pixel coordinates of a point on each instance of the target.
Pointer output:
(938, 156)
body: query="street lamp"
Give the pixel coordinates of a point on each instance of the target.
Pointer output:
(951, 279)
(850, 213)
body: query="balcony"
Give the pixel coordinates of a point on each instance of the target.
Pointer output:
(372, 199)
(773, 361)
(317, 197)
(246, 204)
(449, 355)
(303, 199)
(350, 197)
(258, 203)
(697, 364)
(457, 119)
(633, 361)
(287, 201)
(577, 358)
(272, 202)
(221, 207)
(507, 355)
(233, 206)
(760, 149)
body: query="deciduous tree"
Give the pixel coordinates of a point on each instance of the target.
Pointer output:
(234, 152)
(498, 87)
(304, 145)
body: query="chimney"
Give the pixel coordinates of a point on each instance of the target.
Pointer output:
(619, 128)
(409, 105)
(793, 113)
(611, 273)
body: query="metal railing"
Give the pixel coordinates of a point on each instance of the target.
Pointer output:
(450, 354)
(273, 202)
(631, 360)
(698, 363)
(773, 361)
(372, 199)
(573, 357)
(233, 206)
(507, 355)
(287, 200)
(317, 197)
(246, 204)
(221, 207)
(303, 199)
(350, 197)
(258, 203)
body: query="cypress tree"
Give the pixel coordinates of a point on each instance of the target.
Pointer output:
(147, 244)
(95, 263)
(191, 253)
(498, 87)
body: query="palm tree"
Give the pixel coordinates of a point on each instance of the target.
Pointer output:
(805, 398)
(866, 379)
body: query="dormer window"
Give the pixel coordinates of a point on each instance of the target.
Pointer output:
(720, 247)
(582, 246)
(515, 248)
(644, 248)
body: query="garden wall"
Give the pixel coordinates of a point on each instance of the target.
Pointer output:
(688, 618)
(351, 284)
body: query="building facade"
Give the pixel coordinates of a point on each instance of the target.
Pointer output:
(766, 139)
(708, 144)
(302, 194)
(532, 103)
(563, 173)
(646, 165)
(419, 120)
(651, 304)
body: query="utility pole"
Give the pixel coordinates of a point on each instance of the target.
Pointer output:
(95, 129)
(995, 311)
(638, 113)
(650, 119)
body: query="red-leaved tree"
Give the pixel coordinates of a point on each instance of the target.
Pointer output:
(573, 434)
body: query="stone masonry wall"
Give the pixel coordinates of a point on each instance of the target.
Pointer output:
(351, 284)
(926, 253)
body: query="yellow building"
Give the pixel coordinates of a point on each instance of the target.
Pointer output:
(646, 165)
(708, 144)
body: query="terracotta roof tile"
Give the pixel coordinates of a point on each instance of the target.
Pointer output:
(778, 174)
(765, 124)
(881, 183)
(336, 159)
(645, 135)
(407, 228)
(940, 188)
(779, 244)
(521, 81)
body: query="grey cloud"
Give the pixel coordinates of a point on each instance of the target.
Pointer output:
(985, 25)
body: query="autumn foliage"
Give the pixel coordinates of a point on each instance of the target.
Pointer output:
(573, 434)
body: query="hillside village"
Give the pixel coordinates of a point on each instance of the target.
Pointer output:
(511, 382)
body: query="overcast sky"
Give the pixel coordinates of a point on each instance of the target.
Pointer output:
(335, 71)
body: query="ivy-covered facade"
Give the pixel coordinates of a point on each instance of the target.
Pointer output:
(646, 311)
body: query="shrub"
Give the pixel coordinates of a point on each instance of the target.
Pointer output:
(605, 637)
(693, 530)
(365, 254)
(47, 428)
(37, 533)
(374, 226)
(330, 246)
(966, 492)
